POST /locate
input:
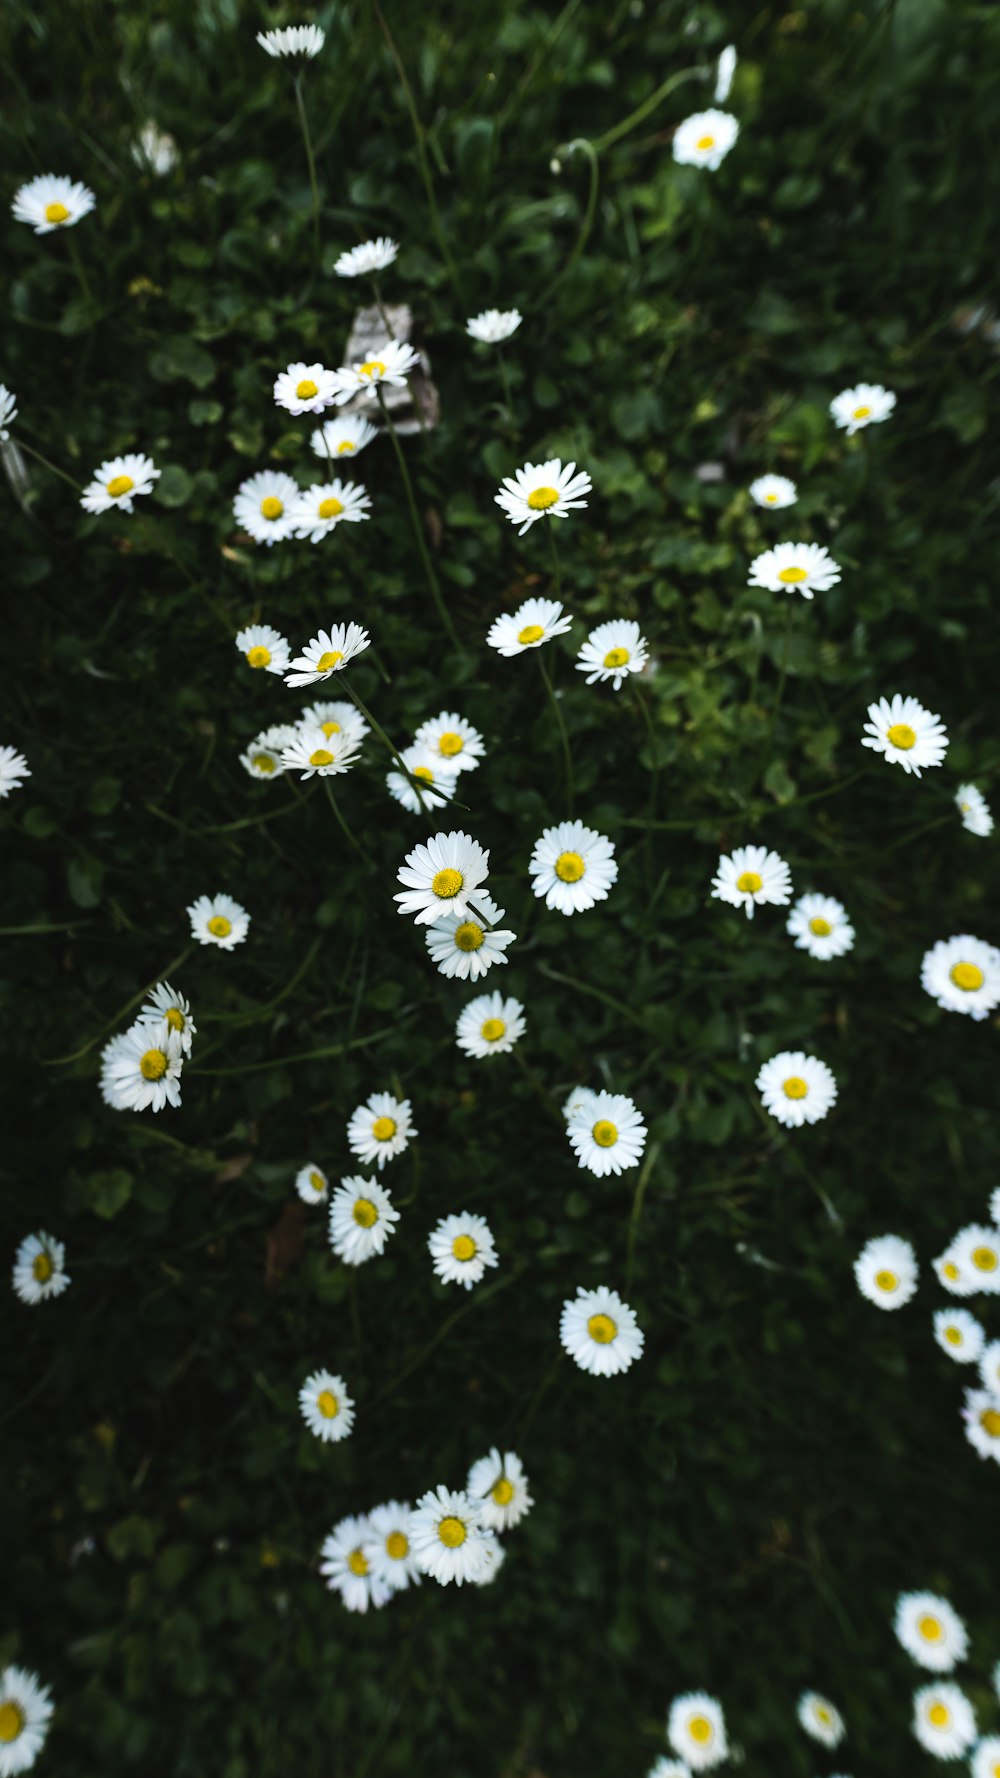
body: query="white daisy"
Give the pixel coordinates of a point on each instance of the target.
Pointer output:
(995, 1206)
(361, 1219)
(534, 622)
(613, 651)
(494, 325)
(452, 739)
(295, 40)
(886, 1271)
(977, 1254)
(310, 752)
(380, 1129)
(330, 651)
(155, 150)
(345, 1566)
(8, 410)
(542, 490)
(370, 257)
(696, 1729)
(448, 1538)
(943, 1720)
(164, 1002)
(440, 877)
(336, 718)
(796, 1089)
(436, 775)
(311, 1183)
(51, 201)
(819, 925)
(573, 867)
(500, 1485)
(40, 1268)
(387, 1546)
(862, 406)
(600, 1332)
(665, 1767)
(906, 733)
(963, 975)
(805, 568)
(579, 1102)
(981, 1414)
(959, 1334)
(326, 505)
(971, 804)
(264, 648)
(951, 1275)
(773, 492)
(461, 1247)
(25, 1712)
(725, 69)
(343, 436)
(263, 506)
(704, 139)
(218, 920)
(985, 1761)
(305, 388)
(750, 877)
(263, 757)
(327, 1409)
(390, 363)
(142, 1071)
(820, 1719)
(989, 1366)
(489, 1025)
(607, 1134)
(931, 1631)
(117, 481)
(13, 770)
(464, 946)
(494, 1557)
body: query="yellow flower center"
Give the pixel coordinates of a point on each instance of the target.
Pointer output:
(423, 772)
(469, 936)
(56, 212)
(954, 1338)
(259, 656)
(493, 1029)
(271, 507)
(602, 1329)
(328, 661)
(384, 1129)
(449, 744)
(365, 1213)
(502, 1491)
(328, 1404)
(119, 485)
(887, 1280)
(700, 1729)
(11, 1715)
(464, 1248)
(397, 1546)
(770, 498)
(153, 1065)
(345, 447)
(930, 1627)
(175, 1018)
(452, 1533)
(331, 508)
(317, 1181)
(373, 368)
(321, 757)
(794, 1087)
(357, 1563)
(950, 1270)
(263, 762)
(861, 413)
(331, 728)
(704, 143)
(447, 883)
(305, 390)
(989, 1420)
(984, 1259)
(939, 1715)
(530, 633)
(749, 882)
(793, 576)
(42, 1268)
(820, 927)
(540, 499)
(967, 976)
(570, 867)
(616, 657)
(219, 926)
(902, 736)
(605, 1134)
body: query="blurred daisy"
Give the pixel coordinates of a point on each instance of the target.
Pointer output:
(725, 69)
(25, 1713)
(981, 1414)
(950, 1274)
(464, 946)
(8, 410)
(607, 1133)
(820, 1719)
(387, 1547)
(886, 1271)
(143, 1070)
(263, 757)
(343, 436)
(361, 1219)
(600, 1332)
(264, 648)
(959, 1334)
(155, 150)
(494, 325)
(327, 1409)
(13, 770)
(796, 1089)
(943, 1720)
(326, 505)
(963, 975)
(310, 752)
(977, 1254)
(542, 490)
(436, 780)
(489, 1025)
(578, 1103)
(704, 139)
(534, 622)
(311, 1183)
(461, 1247)
(773, 491)
(989, 1367)
(985, 1761)
(613, 651)
(819, 925)
(263, 506)
(218, 920)
(117, 481)
(448, 1537)
(751, 876)
(440, 877)
(573, 867)
(494, 1557)
(453, 740)
(995, 1205)
(295, 40)
(336, 718)
(50, 201)
(345, 1566)
(972, 806)
(390, 363)
(696, 1730)
(40, 1268)
(804, 568)
(330, 651)
(165, 1003)
(380, 1129)
(371, 256)
(931, 1631)
(906, 733)
(669, 1768)
(500, 1486)
(305, 388)
(862, 406)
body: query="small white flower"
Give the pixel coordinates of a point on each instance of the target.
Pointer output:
(218, 920)
(573, 867)
(886, 1271)
(436, 780)
(669, 1768)
(141, 1069)
(981, 1414)
(306, 388)
(448, 1537)
(820, 1719)
(155, 149)
(343, 436)
(501, 1488)
(453, 740)
(263, 506)
(295, 40)
(959, 1334)
(906, 733)
(989, 1367)
(361, 1219)
(751, 876)
(13, 770)
(773, 492)
(441, 878)
(600, 1331)
(606, 1133)
(494, 1557)
(542, 490)
(50, 202)
(380, 1129)
(311, 752)
(796, 1089)
(971, 804)
(494, 325)
(335, 718)
(489, 1025)
(949, 1273)
(819, 925)
(805, 568)
(461, 1247)
(40, 1268)
(117, 481)
(164, 1002)
(696, 1729)
(311, 1183)
(862, 406)
(327, 1409)
(985, 1761)
(724, 72)
(264, 648)
(977, 1254)
(391, 363)
(534, 622)
(464, 947)
(704, 139)
(943, 1720)
(387, 1548)
(8, 410)
(326, 505)
(330, 651)
(371, 256)
(963, 975)
(579, 1101)
(613, 651)
(931, 1631)
(346, 1568)
(262, 758)
(25, 1712)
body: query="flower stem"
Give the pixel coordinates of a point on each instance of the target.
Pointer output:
(554, 553)
(419, 135)
(654, 770)
(418, 530)
(563, 736)
(74, 254)
(633, 1221)
(418, 784)
(342, 824)
(54, 470)
(311, 159)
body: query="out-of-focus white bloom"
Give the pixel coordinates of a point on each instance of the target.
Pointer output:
(40, 1268)
(361, 1219)
(25, 1712)
(943, 1720)
(819, 925)
(862, 406)
(542, 490)
(311, 1183)
(820, 1719)
(343, 436)
(387, 1548)
(724, 73)
(155, 149)
(886, 1271)
(534, 622)
(963, 975)
(981, 1414)
(370, 257)
(906, 733)
(494, 325)
(295, 40)
(989, 1367)
(977, 1253)
(8, 410)
(345, 1566)
(971, 804)
(959, 1334)
(985, 1761)
(500, 1485)
(327, 1409)
(773, 492)
(391, 363)
(704, 139)
(931, 1631)
(51, 202)
(13, 770)
(696, 1729)
(218, 920)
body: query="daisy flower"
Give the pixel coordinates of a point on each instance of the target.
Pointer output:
(218, 920)
(326, 505)
(117, 481)
(440, 877)
(573, 867)
(951, 1275)
(501, 1488)
(886, 1271)
(725, 69)
(959, 1334)
(963, 975)
(796, 1089)
(13, 770)
(263, 757)
(263, 506)
(494, 325)
(489, 1025)
(600, 1332)
(534, 622)
(311, 752)
(336, 719)
(50, 201)
(330, 651)
(370, 257)
(345, 1566)
(164, 1002)
(995, 1205)
(805, 568)
(295, 40)
(25, 1712)
(981, 1414)
(327, 1409)
(390, 364)
(607, 1134)
(819, 925)
(311, 1183)
(264, 648)
(305, 388)
(380, 1129)
(971, 804)
(448, 1538)
(669, 1768)
(985, 1761)
(494, 1557)
(461, 1248)
(989, 1367)
(343, 436)
(773, 491)
(906, 733)
(437, 780)
(451, 739)
(155, 150)
(696, 1730)
(863, 406)
(931, 1631)
(142, 1072)
(8, 410)
(542, 490)
(579, 1102)
(820, 1719)
(613, 651)
(943, 1720)
(40, 1268)
(387, 1546)
(751, 876)
(977, 1254)
(361, 1219)
(464, 947)
(704, 139)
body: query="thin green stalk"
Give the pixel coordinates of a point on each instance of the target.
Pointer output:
(164, 974)
(342, 824)
(651, 735)
(319, 1055)
(554, 553)
(637, 1201)
(590, 209)
(419, 136)
(418, 530)
(310, 157)
(561, 725)
(507, 398)
(479, 1297)
(779, 694)
(74, 254)
(52, 467)
(642, 111)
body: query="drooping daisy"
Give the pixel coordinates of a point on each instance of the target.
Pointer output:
(951, 1275)
(327, 1409)
(13, 770)
(820, 1719)
(489, 1025)
(117, 481)
(862, 406)
(336, 718)
(310, 752)
(819, 925)
(500, 1485)
(886, 1271)
(441, 878)
(311, 1183)
(773, 492)
(494, 325)
(51, 201)
(696, 1729)
(330, 651)
(387, 1547)
(436, 780)
(326, 505)
(805, 568)
(985, 1761)
(448, 1537)
(391, 363)
(380, 1129)
(600, 1331)
(464, 946)
(370, 257)
(542, 490)
(607, 1134)
(534, 622)
(164, 1002)
(981, 1414)
(264, 648)
(305, 388)
(931, 1631)
(25, 1712)
(263, 758)
(989, 1367)
(343, 436)
(361, 1219)
(959, 1334)
(977, 1254)
(143, 1070)
(295, 40)
(972, 806)
(453, 740)
(40, 1268)
(264, 504)
(796, 1089)
(963, 975)
(943, 1720)
(218, 920)
(613, 651)
(751, 876)
(345, 1566)
(8, 411)
(461, 1247)
(724, 71)
(906, 733)
(573, 867)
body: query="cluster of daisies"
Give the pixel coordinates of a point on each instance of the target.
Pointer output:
(944, 1720)
(141, 1067)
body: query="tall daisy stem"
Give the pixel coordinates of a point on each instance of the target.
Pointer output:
(342, 824)
(74, 254)
(654, 768)
(561, 725)
(418, 783)
(418, 529)
(779, 694)
(311, 159)
(554, 553)
(419, 136)
(52, 467)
